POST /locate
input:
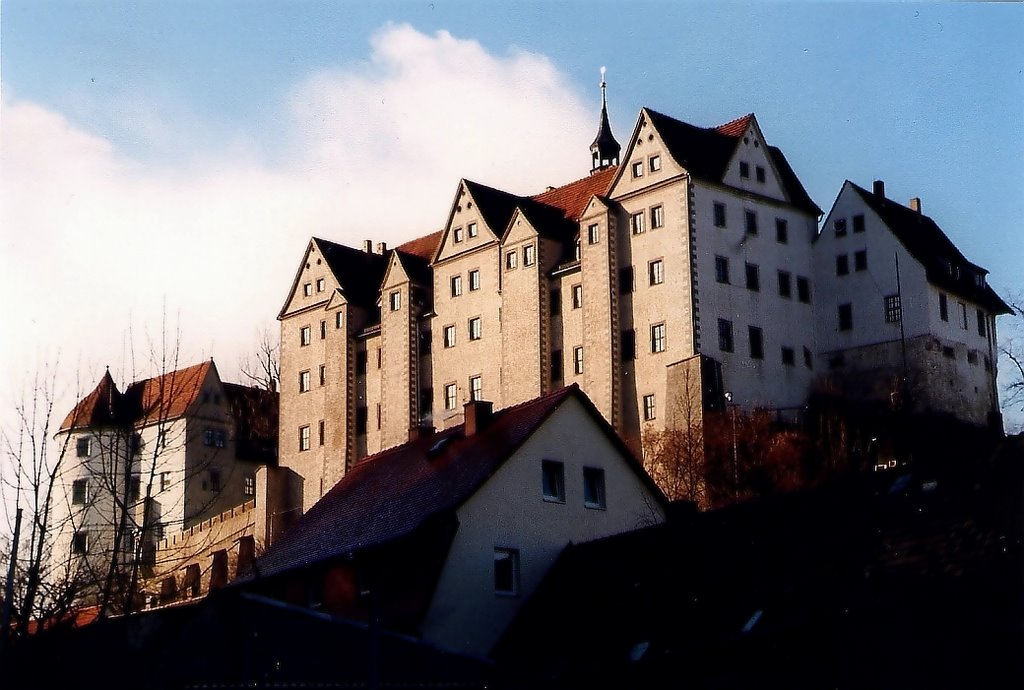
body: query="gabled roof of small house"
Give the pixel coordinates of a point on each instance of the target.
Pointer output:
(97, 409)
(944, 264)
(706, 152)
(391, 494)
(167, 396)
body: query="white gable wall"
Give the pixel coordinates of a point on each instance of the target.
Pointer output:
(509, 511)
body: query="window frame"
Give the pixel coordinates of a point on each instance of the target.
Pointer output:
(458, 235)
(753, 276)
(719, 215)
(474, 279)
(395, 300)
(656, 272)
(305, 336)
(80, 491)
(657, 216)
(636, 223)
(726, 339)
(650, 407)
(722, 270)
(476, 387)
(755, 342)
(659, 338)
(892, 304)
(594, 490)
(654, 163)
(577, 296)
(512, 557)
(451, 395)
(475, 327)
(472, 230)
(83, 447)
(304, 381)
(593, 233)
(456, 285)
(577, 360)
(305, 440)
(637, 169)
(511, 260)
(529, 255)
(553, 474)
(448, 336)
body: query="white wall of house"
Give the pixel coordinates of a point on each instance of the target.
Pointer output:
(510, 511)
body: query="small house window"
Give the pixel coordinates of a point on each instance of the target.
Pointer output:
(745, 170)
(80, 543)
(753, 278)
(781, 231)
(839, 225)
(577, 296)
(307, 289)
(893, 309)
(858, 222)
(860, 260)
(943, 307)
(656, 272)
(321, 285)
(845, 312)
(449, 336)
(751, 223)
(788, 356)
(803, 289)
(759, 173)
(511, 260)
(80, 491)
(304, 437)
(553, 481)
(506, 571)
(721, 269)
(842, 265)
(593, 487)
(457, 234)
(303, 381)
(83, 447)
(725, 341)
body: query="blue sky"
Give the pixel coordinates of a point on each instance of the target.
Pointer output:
(238, 129)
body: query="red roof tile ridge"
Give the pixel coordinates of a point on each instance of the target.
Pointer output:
(572, 197)
(422, 247)
(182, 385)
(734, 128)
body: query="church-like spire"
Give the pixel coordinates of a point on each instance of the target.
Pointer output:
(605, 150)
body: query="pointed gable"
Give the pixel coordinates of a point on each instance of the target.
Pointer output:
(485, 209)
(169, 395)
(96, 410)
(927, 243)
(355, 273)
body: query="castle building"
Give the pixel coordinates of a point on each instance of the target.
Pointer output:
(159, 458)
(683, 264)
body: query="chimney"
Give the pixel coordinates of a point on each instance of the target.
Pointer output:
(879, 189)
(382, 247)
(478, 414)
(420, 431)
(915, 204)
(368, 246)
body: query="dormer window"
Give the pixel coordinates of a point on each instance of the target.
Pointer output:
(745, 170)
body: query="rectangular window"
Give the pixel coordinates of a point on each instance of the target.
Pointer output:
(457, 233)
(305, 336)
(475, 329)
(472, 229)
(506, 571)
(858, 222)
(449, 336)
(476, 388)
(893, 309)
(719, 214)
(593, 487)
(556, 365)
(215, 480)
(756, 338)
(845, 317)
(577, 296)
(649, 410)
(628, 349)
(803, 289)
(972, 356)
(654, 163)
(751, 223)
(529, 255)
(638, 169)
(555, 302)
(218, 438)
(981, 323)
(321, 432)
(842, 265)
(658, 337)
(943, 307)
(307, 289)
(321, 285)
(593, 233)
(379, 416)
(963, 315)
(725, 343)
(753, 278)
(721, 269)
(474, 279)
(860, 260)
(249, 485)
(303, 381)
(165, 481)
(80, 491)
(655, 271)
(785, 285)
(450, 396)
(395, 300)
(80, 543)
(636, 223)
(304, 438)
(380, 357)
(207, 437)
(323, 374)
(788, 356)
(781, 231)
(577, 359)
(839, 225)
(83, 447)
(626, 284)
(553, 480)
(361, 359)
(511, 260)
(745, 170)
(362, 415)
(323, 330)
(456, 282)
(339, 319)
(759, 173)
(657, 217)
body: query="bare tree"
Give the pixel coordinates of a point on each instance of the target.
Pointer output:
(263, 368)
(675, 456)
(1011, 348)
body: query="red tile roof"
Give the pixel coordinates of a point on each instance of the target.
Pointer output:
(573, 198)
(168, 396)
(734, 128)
(97, 409)
(389, 495)
(422, 247)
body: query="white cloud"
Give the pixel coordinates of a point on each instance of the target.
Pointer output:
(92, 239)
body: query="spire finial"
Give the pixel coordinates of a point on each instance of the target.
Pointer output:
(605, 150)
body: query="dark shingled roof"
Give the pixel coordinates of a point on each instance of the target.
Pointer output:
(495, 206)
(706, 152)
(926, 242)
(391, 494)
(359, 273)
